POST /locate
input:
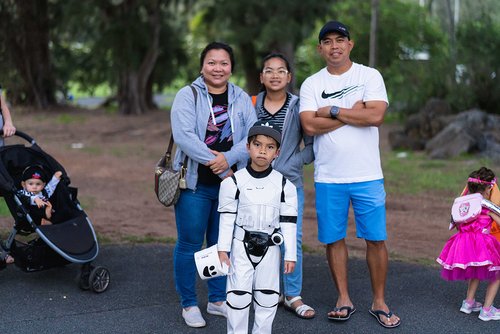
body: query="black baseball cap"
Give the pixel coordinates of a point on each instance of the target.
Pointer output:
(34, 172)
(266, 128)
(333, 26)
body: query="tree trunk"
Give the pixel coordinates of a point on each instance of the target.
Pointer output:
(287, 48)
(135, 89)
(30, 47)
(149, 97)
(250, 68)
(453, 46)
(372, 62)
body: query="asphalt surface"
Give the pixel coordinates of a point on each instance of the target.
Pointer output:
(141, 299)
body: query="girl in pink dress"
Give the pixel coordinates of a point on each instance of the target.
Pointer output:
(473, 254)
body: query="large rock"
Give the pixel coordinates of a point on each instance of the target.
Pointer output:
(399, 140)
(430, 120)
(471, 131)
(421, 127)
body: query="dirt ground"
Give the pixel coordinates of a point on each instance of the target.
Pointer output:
(111, 159)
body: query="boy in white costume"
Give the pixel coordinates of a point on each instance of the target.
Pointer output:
(258, 212)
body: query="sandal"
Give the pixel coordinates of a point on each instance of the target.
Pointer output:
(299, 311)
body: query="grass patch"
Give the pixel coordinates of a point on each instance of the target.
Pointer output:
(103, 239)
(111, 109)
(69, 119)
(92, 150)
(147, 239)
(4, 209)
(428, 262)
(414, 173)
(123, 151)
(310, 250)
(87, 202)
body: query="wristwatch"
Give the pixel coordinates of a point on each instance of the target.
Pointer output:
(334, 112)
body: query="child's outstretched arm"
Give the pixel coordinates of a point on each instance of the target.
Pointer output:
(54, 181)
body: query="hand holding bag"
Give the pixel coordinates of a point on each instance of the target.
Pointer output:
(169, 182)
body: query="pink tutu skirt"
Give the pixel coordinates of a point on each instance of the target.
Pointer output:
(469, 255)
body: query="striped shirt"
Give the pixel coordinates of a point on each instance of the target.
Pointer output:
(279, 117)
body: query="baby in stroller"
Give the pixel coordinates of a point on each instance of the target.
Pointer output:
(36, 191)
(68, 238)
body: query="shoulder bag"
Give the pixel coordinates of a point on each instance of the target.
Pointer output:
(168, 182)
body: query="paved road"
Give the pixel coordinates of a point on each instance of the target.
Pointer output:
(141, 299)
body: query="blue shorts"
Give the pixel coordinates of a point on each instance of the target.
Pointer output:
(332, 208)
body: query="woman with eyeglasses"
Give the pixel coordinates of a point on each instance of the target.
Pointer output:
(210, 122)
(275, 103)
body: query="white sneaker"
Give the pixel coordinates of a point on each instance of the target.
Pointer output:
(469, 308)
(215, 309)
(193, 318)
(492, 314)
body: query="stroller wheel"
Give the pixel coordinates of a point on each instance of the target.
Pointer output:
(99, 279)
(83, 280)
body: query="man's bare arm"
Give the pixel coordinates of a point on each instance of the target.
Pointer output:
(313, 124)
(369, 113)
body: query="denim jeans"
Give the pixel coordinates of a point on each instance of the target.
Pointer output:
(196, 218)
(292, 283)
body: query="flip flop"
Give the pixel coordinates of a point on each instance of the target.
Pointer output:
(350, 311)
(378, 313)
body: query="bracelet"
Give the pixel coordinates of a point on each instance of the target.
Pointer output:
(334, 112)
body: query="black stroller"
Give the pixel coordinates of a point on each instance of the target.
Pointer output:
(69, 239)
